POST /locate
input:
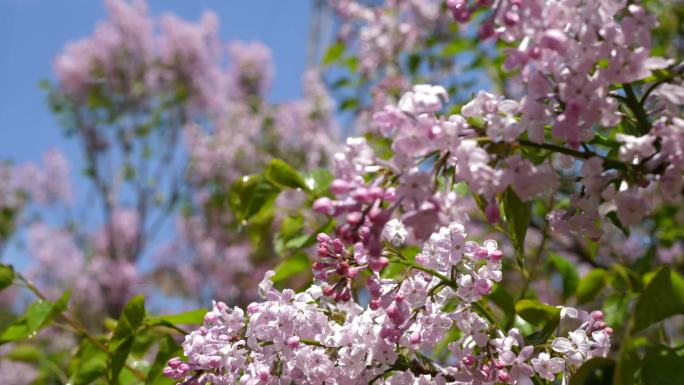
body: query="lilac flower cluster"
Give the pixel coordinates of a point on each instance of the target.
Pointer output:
(306, 339)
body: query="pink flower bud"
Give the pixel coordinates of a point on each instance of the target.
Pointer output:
(338, 246)
(486, 30)
(415, 338)
(324, 205)
(293, 342)
(483, 286)
(554, 39)
(511, 19)
(174, 362)
(339, 186)
(495, 255)
(492, 212)
(504, 377)
(597, 315)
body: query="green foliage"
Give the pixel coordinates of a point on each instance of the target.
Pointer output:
(295, 264)
(596, 371)
(334, 53)
(590, 285)
(662, 298)
(121, 341)
(251, 196)
(568, 274)
(168, 348)
(535, 312)
(38, 315)
(518, 215)
(192, 317)
(89, 364)
(283, 175)
(6, 276)
(662, 365)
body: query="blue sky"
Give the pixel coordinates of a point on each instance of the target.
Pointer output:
(33, 32)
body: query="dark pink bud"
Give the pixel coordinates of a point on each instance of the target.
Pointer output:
(355, 217)
(504, 377)
(376, 192)
(374, 304)
(461, 15)
(481, 253)
(495, 255)
(293, 342)
(322, 238)
(379, 216)
(175, 362)
(486, 30)
(338, 246)
(511, 19)
(362, 194)
(554, 39)
(534, 52)
(324, 205)
(328, 291)
(468, 360)
(492, 212)
(342, 268)
(345, 296)
(597, 315)
(415, 338)
(339, 186)
(600, 325)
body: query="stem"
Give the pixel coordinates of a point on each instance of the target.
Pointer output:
(449, 282)
(608, 162)
(637, 109)
(78, 328)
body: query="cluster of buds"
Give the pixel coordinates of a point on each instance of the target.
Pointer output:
(335, 265)
(364, 218)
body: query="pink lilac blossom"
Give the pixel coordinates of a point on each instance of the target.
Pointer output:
(304, 338)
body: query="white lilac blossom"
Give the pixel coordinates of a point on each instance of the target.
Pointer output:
(323, 336)
(395, 232)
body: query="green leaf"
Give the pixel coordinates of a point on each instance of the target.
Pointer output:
(612, 216)
(503, 300)
(192, 317)
(168, 348)
(89, 364)
(334, 53)
(414, 63)
(615, 308)
(596, 371)
(455, 47)
(349, 104)
(251, 196)
(518, 214)
(535, 312)
(291, 266)
(662, 298)
(662, 365)
(122, 339)
(6, 276)
(24, 353)
(590, 285)
(283, 175)
(38, 315)
(318, 181)
(568, 273)
(628, 362)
